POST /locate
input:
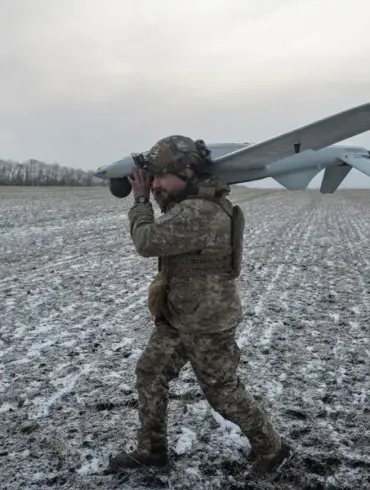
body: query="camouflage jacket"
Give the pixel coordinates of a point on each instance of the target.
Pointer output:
(208, 303)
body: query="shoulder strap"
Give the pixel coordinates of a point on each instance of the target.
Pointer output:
(226, 205)
(210, 194)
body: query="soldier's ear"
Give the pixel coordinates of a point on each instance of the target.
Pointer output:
(190, 173)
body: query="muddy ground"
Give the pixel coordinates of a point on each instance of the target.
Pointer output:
(74, 322)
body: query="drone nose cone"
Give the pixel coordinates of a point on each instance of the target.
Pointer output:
(101, 171)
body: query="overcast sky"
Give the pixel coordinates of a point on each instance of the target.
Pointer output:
(85, 82)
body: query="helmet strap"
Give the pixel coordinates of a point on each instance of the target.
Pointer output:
(191, 187)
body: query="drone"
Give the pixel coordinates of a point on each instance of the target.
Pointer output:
(293, 159)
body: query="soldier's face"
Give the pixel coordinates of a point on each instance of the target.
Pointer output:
(168, 188)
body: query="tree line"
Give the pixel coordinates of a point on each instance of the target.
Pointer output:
(34, 172)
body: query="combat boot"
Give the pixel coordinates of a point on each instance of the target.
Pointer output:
(137, 459)
(270, 464)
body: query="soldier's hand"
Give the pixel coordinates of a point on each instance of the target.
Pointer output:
(140, 181)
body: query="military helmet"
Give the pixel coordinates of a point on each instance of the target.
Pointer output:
(173, 154)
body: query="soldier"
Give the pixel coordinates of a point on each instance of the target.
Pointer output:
(194, 299)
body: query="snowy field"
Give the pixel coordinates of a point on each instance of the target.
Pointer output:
(73, 322)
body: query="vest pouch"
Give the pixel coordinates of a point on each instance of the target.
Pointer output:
(157, 295)
(238, 225)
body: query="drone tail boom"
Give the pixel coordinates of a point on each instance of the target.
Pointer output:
(358, 162)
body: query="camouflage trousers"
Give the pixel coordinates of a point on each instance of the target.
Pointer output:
(214, 359)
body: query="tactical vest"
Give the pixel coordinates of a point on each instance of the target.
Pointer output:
(200, 264)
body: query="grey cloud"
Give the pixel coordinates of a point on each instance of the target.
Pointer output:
(86, 82)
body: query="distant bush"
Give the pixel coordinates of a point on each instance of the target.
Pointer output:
(33, 172)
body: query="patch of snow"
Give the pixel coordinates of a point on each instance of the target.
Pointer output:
(63, 385)
(6, 407)
(186, 441)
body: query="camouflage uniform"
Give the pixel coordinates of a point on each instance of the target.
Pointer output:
(204, 303)
(199, 323)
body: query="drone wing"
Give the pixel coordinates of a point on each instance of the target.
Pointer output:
(314, 136)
